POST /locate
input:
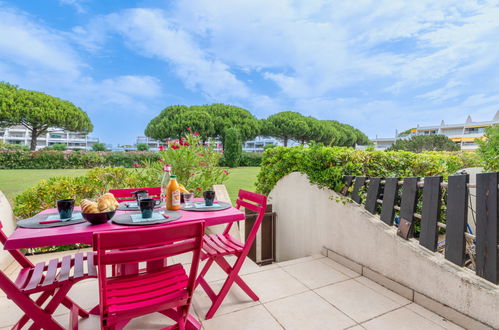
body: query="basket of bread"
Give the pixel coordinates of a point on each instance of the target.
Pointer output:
(100, 211)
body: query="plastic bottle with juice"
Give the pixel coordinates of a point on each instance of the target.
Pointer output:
(173, 194)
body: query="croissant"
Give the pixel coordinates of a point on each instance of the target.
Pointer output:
(107, 203)
(89, 206)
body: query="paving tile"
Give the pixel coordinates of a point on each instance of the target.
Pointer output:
(427, 314)
(384, 291)
(299, 260)
(252, 318)
(315, 273)
(235, 300)
(401, 319)
(308, 311)
(10, 313)
(273, 284)
(339, 267)
(84, 293)
(356, 327)
(357, 300)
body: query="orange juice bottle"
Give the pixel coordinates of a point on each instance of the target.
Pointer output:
(173, 194)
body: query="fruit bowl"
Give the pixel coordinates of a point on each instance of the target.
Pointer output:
(98, 218)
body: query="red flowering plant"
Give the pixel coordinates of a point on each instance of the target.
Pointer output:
(195, 164)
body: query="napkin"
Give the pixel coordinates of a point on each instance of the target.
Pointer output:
(138, 217)
(75, 216)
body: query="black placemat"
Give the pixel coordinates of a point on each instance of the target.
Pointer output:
(123, 207)
(33, 222)
(223, 206)
(125, 219)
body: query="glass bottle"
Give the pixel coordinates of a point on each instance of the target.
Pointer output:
(167, 172)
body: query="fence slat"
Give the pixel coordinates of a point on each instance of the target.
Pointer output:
(359, 183)
(347, 179)
(430, 215)
(373, 192)
(389, 197)
(457, 218)
(487, 226)
(408, 203)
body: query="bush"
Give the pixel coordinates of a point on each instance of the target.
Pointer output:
(142, 147)
(99, 146)
(420, 143)
(251, 159)
(8, 146)
(489, 149)
(57, 146)
(326, 166)
(233, 147)
(51, 159)
(91, 185)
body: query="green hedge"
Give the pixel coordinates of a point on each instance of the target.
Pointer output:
(326, 166)
(94, 183)
(252, 159)
(51, 159)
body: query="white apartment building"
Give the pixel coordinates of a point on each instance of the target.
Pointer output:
(22, 136)
(463, 134)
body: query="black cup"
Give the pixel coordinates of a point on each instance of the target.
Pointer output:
(147, 207)
(65, 208)
(140, 194)
(209, 197)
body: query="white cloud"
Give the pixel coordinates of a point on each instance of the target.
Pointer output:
(76, 4)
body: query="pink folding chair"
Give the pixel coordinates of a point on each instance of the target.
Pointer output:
(124, 195)
(167, 289)
(217, 246)
(54, 280)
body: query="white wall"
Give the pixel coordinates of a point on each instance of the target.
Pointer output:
(308, 219)
(7, 219)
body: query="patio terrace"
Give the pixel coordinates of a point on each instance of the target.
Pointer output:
(314, 292)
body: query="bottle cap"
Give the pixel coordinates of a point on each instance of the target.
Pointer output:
(173, 176)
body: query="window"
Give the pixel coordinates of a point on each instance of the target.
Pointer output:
(474, 130)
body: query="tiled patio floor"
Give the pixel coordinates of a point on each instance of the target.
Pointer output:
(309, 293)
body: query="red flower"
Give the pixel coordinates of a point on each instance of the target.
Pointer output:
(189, 129)
(161, 161)
(193, 174)
(174, 146)
(200, 155)
(196, 134)
(161, 148)
(183, 142)
(222, 150)
(225, 172)
(198, 189)
(136, 165)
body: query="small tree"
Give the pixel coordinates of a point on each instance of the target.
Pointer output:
(38, 111)
(419, 143)
(142, 147)
(233, 147)
(99, 146)
(489, 148)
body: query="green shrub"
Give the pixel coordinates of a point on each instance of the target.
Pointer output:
(8, 146)
(420, 143)
(233, 147)
(51, 159)
(326, 166)
(91, 185)
(57, 146)
(489, 149)
(99, 146)
(142, 147)
(251, 159)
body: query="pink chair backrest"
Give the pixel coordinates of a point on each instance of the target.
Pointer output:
(16, 254)
(147, 244)
(255, 202)
(123, 195)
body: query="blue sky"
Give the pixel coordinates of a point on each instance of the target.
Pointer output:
(377, 65)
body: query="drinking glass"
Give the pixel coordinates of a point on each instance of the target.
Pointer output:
(189, 199)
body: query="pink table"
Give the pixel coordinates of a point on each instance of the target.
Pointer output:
(82, 233)
(23, 238)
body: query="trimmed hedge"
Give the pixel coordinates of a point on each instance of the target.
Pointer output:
(94, 183)
(51, 159)
(251, 159)
(326, 166)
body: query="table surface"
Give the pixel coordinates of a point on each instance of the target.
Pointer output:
(23, 238)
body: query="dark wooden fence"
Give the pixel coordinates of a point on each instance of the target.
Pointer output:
(438, 208)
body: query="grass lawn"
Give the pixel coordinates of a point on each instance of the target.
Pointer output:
(12, 182)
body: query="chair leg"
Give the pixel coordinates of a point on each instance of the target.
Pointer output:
(220, 297)
(239, 281)
(23, 320)
(70, 303)
(204, 271)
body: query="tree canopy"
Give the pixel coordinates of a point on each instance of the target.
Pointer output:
(489, 148)
(38, 111)
(285, 125)
(419, 143)
(210, 121)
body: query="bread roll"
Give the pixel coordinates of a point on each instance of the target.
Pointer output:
(89, 206)
(107, 203)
